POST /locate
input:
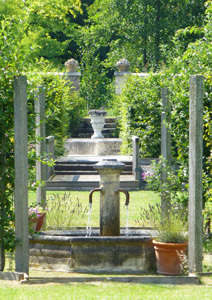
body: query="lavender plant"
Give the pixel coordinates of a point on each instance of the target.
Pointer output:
(64, 213)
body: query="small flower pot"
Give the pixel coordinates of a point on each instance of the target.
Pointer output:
(35, 224)
(168, 257)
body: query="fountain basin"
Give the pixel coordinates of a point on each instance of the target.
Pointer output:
(60, 251)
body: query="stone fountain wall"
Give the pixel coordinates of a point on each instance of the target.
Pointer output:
(134, 254)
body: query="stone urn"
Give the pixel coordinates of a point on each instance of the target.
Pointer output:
(97, 122)
(123, 65)
(71, 65)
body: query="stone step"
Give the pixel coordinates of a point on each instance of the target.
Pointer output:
(64, 179)
(86, 183)
(82, 164)
(83, 172)
(83, 135)
(82, 167)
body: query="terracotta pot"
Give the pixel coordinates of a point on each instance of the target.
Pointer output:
(168, 257)
(36, 223)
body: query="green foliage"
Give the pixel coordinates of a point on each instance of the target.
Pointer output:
(17, 47)
(13, 59)
(195, 60)
(52, 23)
(64, 213)
(64, 106)
(175, 188)
(95, 85)
(170, 227)
(140, 114)
(137, 30)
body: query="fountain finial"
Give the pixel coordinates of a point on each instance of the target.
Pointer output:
(123, 65)
(71, 65)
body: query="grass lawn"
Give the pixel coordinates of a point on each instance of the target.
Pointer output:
(109, 291)
(10, 290)
(138, 199)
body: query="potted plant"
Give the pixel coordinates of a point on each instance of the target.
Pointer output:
(36, 218)
(170, 238)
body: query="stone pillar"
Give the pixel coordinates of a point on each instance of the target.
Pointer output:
(50, 153)
(109, 171)
(121, 76)
(21, 175)
(135, 162)
(195, 173)
(165, 146)
(40, 146)
(72, 76)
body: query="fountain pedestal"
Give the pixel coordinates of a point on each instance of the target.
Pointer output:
(109, 171)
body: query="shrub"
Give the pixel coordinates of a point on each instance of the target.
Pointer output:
(64, 108)
(170, 227)
(140, 114)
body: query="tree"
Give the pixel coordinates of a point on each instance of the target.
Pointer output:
(143, 99)
(137, 29)
(48, 24)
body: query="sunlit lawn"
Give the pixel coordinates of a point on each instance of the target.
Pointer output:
(138, 199)
(104, 291)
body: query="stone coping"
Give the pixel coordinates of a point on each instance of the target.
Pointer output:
(16, 276)
(82, 231)
(88, 239)
(155, 279)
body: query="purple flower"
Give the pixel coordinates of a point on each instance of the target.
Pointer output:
(35, 212)
(146, 175)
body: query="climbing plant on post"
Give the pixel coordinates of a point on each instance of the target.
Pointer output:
(13, 59)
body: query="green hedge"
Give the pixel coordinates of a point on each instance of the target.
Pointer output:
(140, 110)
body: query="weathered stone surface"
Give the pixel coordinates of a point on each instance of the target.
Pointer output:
(177, 280)
(12, 276)
(21, 175)
(93, 254)
(195, 173)
(165, 147)
(109, 171)
(93, 146)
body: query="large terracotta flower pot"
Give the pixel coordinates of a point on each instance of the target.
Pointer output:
(168, 257)
(36, 224)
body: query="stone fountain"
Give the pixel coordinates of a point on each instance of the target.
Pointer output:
(108, 249)
(109, 171)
